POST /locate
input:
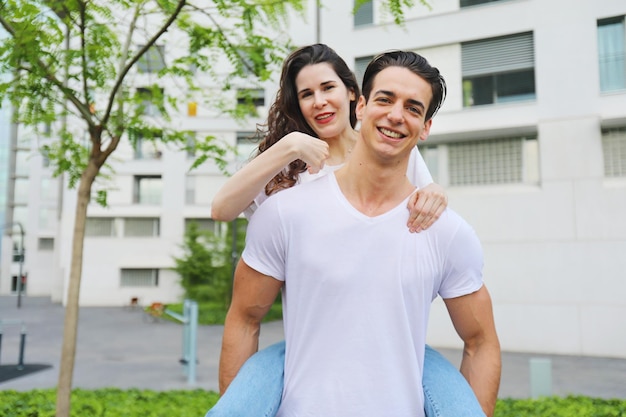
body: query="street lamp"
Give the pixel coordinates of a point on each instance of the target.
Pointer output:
(19, 277)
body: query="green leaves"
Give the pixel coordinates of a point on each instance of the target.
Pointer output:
(110, 402)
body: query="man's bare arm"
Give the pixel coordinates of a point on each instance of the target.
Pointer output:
(472, 316)
(253, 295)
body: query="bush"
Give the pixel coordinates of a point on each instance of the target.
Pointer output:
(110, 402)
(572, 406)
(113, 402)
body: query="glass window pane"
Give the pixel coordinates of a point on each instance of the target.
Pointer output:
(139, 278)
(515, 86)
(100, 226)
(494, 161)
(134, 227)
(614, 150)
(148, 190)
(364, 14)
(612, 54)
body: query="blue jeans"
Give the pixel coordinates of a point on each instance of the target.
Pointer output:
(257, 389)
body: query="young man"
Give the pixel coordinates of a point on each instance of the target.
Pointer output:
(357, 287)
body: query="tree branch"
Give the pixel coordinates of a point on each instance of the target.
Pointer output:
(49, 75)
(129, 65)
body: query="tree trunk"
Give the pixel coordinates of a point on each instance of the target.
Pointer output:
(70, 331)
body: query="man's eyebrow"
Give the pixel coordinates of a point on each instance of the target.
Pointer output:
(393, 95)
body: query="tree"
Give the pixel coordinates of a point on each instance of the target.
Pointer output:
(73, 63)
(205, 268)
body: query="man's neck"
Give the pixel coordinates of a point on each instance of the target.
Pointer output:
(373, 186)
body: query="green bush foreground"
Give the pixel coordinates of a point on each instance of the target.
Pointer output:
(113, 402)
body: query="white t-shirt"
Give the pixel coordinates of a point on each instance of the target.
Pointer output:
(357, 297)
(417, 172)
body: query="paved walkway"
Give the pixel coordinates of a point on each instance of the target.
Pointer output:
(118, 347)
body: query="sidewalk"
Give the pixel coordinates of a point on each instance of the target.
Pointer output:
(118, 347)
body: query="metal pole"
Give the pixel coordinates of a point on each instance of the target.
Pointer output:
(20, 362)
(19, 278)
(193, 341)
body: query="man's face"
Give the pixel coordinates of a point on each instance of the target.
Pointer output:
(392, 120)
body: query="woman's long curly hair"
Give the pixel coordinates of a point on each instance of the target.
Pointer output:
(285, 116)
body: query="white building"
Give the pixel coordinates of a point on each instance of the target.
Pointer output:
(530, 144)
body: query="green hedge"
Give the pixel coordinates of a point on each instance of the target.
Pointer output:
(114, 402)
(111, 402)
(573, 406)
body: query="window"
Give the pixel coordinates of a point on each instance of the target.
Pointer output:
(498, 70)
(152, 60)
(614, 149)
(190, 189)
(250, 99)
(360, 65)
(511, 160)
(148, 189)
(612, 53)
(141, 227)
(47, 215)
(246, 145)
(45, 243)
(205, 224)
(468, 3)
(151, 101)
(21, 191)
(146, 149)
(364, 15)
(139, 277)
(100, 226)
(18, 253)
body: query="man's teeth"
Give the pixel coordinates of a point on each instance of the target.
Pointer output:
(390, 133)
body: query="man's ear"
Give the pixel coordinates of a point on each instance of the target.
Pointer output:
(360, 106)
(426, 131)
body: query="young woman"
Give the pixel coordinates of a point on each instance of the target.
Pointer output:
(316, 100)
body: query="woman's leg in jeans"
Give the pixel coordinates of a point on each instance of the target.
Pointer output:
(446, 391)
(257, 389)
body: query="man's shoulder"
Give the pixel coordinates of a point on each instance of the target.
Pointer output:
(451, 224)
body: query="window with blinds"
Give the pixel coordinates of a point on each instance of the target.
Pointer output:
(468, 3)
(612, 53)
(614, 150)
(45, 243)
(498, 70)
(204, 224)
(364, 14)
(139, 277)
(141, 227)
(100, 226)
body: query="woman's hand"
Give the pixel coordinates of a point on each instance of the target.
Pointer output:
(425, 206)
(313, 151)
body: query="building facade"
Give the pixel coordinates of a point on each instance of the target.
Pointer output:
(530, 145)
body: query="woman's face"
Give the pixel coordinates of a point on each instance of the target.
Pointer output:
(324, 100)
